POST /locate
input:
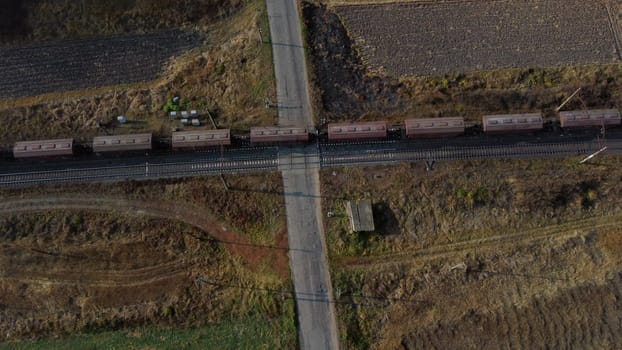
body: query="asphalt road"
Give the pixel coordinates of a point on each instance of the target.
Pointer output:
(317, 326)
(289, 64)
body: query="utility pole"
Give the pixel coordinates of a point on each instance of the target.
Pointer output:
(593, 155)
(567, 100)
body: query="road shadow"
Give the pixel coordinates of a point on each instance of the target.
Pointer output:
(261, 246)
(320, 297)
(282, 193)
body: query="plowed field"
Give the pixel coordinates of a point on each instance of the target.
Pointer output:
(437, 37)
(80, 64)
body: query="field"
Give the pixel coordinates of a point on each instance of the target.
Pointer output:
(349, 87)
(87, 63)
(90, 258)
(484, 254)
(442, 37)
(32, 21)
(249, 333)
(227, 77)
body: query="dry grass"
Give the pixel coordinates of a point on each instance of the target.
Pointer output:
(110, 257)
(486, 254)
(228, 77)
(467, 200)
(504, 295)
(65, 272)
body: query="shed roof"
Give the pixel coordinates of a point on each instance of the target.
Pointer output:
(361, 215)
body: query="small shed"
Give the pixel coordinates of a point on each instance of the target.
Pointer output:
(361, 215)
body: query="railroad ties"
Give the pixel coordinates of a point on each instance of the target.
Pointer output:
(141, 171)
(330, 155)
(395, 152)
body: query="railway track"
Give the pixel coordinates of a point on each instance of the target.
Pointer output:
(265, 159)
(145, 171)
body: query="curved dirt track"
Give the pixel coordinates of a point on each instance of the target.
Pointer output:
(493, 242)
(251, 253)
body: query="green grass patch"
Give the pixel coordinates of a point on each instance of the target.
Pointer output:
(254, 332)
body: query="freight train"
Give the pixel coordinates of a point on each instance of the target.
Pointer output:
(335, 132)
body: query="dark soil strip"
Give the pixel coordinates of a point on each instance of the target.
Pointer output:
(80, 64)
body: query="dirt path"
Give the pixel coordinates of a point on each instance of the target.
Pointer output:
(252, 254)
(493, 242)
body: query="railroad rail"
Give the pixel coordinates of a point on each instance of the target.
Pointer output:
(265, 159)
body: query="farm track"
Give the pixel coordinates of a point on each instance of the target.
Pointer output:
(79, 64)
(569, 229)
(478, 35)
(108, 278)
(193, 216)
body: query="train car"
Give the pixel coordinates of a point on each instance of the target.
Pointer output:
(275, 134)
(201, 138)
(121, 143)
(434, 127)
(592, 117)
(357, 131)
(43, 148)
(508, 123)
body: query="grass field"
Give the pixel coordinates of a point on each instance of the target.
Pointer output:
(255, 332)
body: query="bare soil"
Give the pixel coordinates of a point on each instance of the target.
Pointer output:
(349, 87)
(93, 257)
(30, 21)
(79, 64)
(493, 254)
(432, 38)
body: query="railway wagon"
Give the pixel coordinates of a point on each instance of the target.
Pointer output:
(201, 138)
(508, 123)
(43, 148)
(119, 143)
(275, 134)
(593, 117)
(357, 131)
(434, 127)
